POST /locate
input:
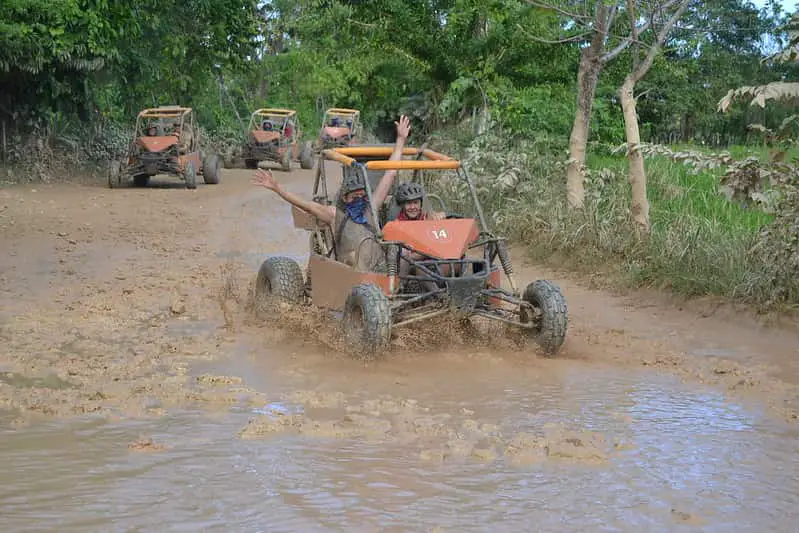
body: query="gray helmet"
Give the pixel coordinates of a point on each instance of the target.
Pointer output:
(407, 192)
(352, 181)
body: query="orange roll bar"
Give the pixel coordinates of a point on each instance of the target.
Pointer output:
(435, 156)
(335, 155)
(412, 164)
(372, 151)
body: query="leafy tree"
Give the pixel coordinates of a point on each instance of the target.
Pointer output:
(50, 50)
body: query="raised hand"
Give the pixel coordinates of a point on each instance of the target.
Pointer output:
(403, 127)
(265, 179)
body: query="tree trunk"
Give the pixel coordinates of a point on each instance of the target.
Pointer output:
(483, 119)
(640, 203)
(640, 207)
(587, 78)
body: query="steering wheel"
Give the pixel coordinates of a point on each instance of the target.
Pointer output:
(449, 216)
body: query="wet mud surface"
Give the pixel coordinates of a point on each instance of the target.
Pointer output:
(138, 388)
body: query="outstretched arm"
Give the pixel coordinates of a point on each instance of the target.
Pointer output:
(381, 191)
(325, 213)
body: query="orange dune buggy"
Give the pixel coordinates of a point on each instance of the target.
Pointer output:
(340, 127)
(459, 271)
(273, 134)
(166, 141)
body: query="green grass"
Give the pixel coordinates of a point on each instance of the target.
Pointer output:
(676, 193)
(700, 243)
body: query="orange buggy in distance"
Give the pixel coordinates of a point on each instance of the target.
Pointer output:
(340, 127)
(460, 270)
(273, 134)
(166, 140)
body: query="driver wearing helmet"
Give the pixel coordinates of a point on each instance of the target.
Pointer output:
(351, 218)
(410, 198)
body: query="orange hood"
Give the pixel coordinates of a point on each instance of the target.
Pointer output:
(262, 136)
(157, 144)
(443, 239)
(336, 132)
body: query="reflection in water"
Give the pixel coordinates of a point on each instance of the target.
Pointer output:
(690, 459)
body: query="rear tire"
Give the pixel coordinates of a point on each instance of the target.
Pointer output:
(141, 180)
(251, 163)
(114, 175)
(547, 297)
(306, 156)
(279, 280)
(367, 320)
(285, 160)
(211, 169)
(190, 175)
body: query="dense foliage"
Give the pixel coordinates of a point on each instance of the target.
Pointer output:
(442, 61)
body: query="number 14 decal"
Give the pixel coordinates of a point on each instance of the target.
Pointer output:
(440, 234)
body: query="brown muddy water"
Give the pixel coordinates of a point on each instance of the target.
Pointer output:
(140, 394)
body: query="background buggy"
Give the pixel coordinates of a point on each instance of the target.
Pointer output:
(166, 140)
(340, 127)
(273, 134)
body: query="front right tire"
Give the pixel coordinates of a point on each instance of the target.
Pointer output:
(114, 175)
(211, 169)
(550, 330)
(190, 175)
(306, 156)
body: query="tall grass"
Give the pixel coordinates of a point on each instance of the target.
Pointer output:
(700, 243)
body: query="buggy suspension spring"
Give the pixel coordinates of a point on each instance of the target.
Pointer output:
(392, 260)
(392, 255)
(504, 258)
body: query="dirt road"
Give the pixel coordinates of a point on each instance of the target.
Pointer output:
(125, 329)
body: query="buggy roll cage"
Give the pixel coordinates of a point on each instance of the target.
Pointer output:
(181, 113)
(342, 112)
(167, 111)
(274, 111)
(347, 156)
(345, 113)
(268, 112)
(433, 160)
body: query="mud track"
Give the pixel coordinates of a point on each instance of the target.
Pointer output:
(132, 305)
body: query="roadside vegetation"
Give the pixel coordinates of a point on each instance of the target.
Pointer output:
(699, 244)
(613, 138)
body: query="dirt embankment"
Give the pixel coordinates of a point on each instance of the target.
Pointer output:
(110, 297)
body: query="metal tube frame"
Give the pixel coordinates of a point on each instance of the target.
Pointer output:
(434, 302)
(403, 304)
(162, 161)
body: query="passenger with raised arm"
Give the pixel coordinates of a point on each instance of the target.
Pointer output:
(350, 219)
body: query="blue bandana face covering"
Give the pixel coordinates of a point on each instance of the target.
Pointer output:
(357, 210)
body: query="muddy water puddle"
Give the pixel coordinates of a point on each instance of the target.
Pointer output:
(458, 443)
(191, 416)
